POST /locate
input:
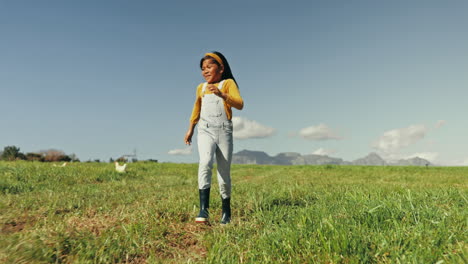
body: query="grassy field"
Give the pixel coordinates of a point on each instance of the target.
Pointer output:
(88, 213)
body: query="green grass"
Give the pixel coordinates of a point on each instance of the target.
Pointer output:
(88, 213)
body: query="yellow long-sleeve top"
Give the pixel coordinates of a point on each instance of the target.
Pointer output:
(233, 100)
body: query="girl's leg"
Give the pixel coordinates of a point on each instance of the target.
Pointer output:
(206, 151)
(223, 160)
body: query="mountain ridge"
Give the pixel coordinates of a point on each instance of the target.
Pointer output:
(294, 158)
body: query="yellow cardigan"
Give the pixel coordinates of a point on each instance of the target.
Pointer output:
(233, 100)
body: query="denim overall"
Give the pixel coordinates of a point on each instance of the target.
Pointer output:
(214, 137)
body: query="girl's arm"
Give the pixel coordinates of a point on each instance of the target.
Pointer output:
(193, 118)
(232, 96)
(196, 111)
(189, 134)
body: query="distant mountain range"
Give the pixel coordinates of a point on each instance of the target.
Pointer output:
(293, 158)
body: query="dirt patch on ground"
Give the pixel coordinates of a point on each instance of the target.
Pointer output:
(17, 225)
(92, 222)
(13, 226)
(180, 241)
(184, 241)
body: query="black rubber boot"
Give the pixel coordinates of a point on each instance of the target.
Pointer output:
(226, 218)
(204, 205)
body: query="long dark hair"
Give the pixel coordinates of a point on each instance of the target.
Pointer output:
(227, 73)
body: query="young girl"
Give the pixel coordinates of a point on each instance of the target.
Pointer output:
(212, 112)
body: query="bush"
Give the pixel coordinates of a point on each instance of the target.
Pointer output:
(11, 153)
(53, 155)
(31, 156)
(121, 159)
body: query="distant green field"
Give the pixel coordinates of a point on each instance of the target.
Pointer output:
(88, 213)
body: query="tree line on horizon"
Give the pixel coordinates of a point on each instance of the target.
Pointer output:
(13, 153)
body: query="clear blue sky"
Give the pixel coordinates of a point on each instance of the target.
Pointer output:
(343, 78)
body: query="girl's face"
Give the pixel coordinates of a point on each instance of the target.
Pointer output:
(211, 71)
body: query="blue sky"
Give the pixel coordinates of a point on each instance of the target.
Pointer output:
(342, 78)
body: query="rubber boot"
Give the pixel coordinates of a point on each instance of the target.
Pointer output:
(226, 217)
(204, 205)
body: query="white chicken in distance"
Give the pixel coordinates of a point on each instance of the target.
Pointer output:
(120, 168)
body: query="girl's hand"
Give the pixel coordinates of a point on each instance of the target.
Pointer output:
(188, 137)
(215, 90)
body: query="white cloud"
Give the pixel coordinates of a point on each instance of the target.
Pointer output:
(319, 132)
(245, 128)
(324, 152)
(430, 156)
(462, 162)
(395, 139)
(185, 151)
(440, 123)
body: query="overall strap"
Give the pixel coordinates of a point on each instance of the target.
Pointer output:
(204, 87)
(220, 85)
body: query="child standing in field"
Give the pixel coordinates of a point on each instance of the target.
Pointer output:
(212, 112)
